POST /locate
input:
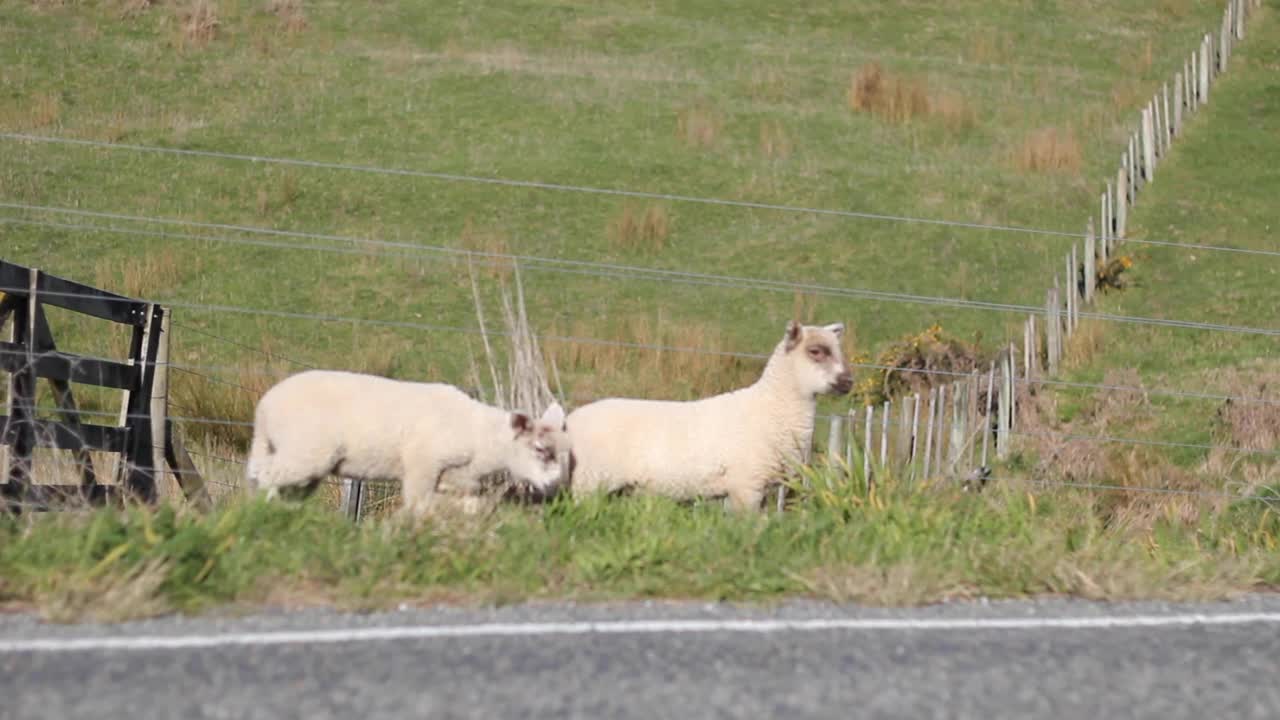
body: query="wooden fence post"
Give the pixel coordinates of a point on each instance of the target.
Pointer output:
(939, 437)
(9, 394)
(22, 395)
(1050, 321)
(1148, 152)
(915, 429)
(884, 434)
(959, 418)
(866, 447)
(1177, 104)
(1121, 208)
(1202, 90)
(902, 445)
(1006, 409)
(851, 436)
(160, 405)
(1167, 137)
(973, 422)
(833, 440)
(986, 418)
(928, 432)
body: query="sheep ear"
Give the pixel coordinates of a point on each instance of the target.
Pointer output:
(554, 416)
(836, 328)
(520, 423)
(793, 335)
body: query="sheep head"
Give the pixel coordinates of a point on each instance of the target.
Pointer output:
(541, 448)
(817, 363)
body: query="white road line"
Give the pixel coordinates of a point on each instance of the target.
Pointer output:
(620, 627)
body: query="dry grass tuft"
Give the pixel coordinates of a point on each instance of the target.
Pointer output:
(199, 23)
(491, 247)
(102, 596)
(46, 109)
(1251, 425)
(774, 143)
(1050, 149)
(146, 275)
(282, 197)
(892, 98)
(293, 19)
(1085, 344)
(699, 125)
(914, 361)
(607, 370)
(898, 100)
(989, 47)
(643, 230)
(134, 8)
(904, 584)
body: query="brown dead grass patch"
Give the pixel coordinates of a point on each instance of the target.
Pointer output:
(990, 47)
(278, 194)
(491, 247)
(198, 23)
(774, 143)
(699, 125)
(644, 229)
(103, 596)
(145, 275)
(1084, 344)
(615, 367)
(290, 13)
(898, 99)
(1050, 150)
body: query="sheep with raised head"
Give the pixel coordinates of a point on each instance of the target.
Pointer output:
(432, 437)
(733, 445)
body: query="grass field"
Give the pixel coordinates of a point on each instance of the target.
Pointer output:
(991, 112)
(1216, 188)
(988, 112)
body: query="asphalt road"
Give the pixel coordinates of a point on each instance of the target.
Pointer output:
(1046, 659)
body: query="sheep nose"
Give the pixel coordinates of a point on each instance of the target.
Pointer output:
(844, 383)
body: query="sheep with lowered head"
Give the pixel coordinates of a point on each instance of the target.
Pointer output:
(432, 437)
(732, 445)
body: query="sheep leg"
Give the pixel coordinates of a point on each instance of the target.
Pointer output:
(422, 481)
(745, 499)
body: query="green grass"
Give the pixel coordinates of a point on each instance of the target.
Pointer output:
(579, 95)
(1217, 187)
(896, 546)
(679, 98)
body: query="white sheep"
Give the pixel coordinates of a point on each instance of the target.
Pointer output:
(431, 437)
(732, 445)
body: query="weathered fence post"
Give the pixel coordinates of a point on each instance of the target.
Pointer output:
(833, 440)
(939, 437)
(915, 430)
(1167, 137)
(851, 438)
(1202, 90)
(986, 418)
(866, 446)
(160, 403)
(884, 434)
(22, 392)
(351, 498)
(928, 432)
(1005, 409)
(1148, 152)
(1051, 327)
(1177, 105)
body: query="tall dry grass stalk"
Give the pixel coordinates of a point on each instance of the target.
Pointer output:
(627, 361)
(698, 125)
(896, 99)
(198, 22)
(1049, 149)
(644, 230)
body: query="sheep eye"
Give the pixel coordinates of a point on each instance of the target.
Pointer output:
(818, 351)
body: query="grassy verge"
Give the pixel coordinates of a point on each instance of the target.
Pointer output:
(894, 546)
